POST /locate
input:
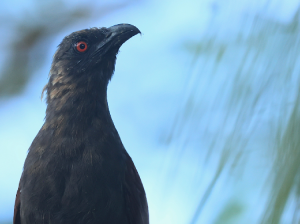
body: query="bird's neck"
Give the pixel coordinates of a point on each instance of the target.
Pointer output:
(74, 108)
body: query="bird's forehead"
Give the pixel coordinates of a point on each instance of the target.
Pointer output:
(88, 33)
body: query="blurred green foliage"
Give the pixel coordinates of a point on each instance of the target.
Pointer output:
(256, 71)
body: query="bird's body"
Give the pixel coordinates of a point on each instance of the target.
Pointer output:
(77, 169)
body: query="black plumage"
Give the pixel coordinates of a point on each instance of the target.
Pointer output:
(77, 169)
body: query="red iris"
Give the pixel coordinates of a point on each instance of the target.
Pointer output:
(81, 46)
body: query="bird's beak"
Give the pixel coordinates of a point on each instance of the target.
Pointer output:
(116, 36)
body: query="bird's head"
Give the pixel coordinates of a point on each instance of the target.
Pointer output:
(85, 60)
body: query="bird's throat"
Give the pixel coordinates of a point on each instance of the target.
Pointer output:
(74, 108)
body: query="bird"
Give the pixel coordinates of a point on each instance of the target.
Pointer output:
(77, 169)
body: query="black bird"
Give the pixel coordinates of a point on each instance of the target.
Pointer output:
(77, 169)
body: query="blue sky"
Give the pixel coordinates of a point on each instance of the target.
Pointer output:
(144, 95)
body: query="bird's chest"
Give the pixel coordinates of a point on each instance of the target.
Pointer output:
(88, 183)
(94, 184)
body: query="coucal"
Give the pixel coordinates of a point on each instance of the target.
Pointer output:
(77, 169)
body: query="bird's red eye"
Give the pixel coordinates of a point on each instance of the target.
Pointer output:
(81, 46)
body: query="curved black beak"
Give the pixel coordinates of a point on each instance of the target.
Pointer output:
(123, 31)
(116, 35)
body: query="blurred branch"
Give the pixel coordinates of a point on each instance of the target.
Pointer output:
(286, 176)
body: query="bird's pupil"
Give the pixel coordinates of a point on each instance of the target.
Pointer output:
(82, 46)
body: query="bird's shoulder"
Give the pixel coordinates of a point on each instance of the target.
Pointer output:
(134, 194)
(17, 218)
